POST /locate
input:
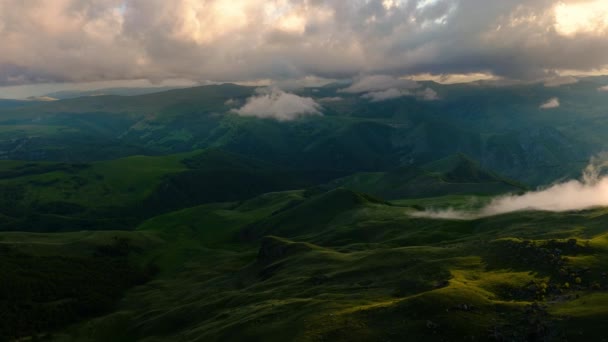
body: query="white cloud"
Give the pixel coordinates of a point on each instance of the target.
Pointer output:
(560, 81)
(379, 83)
(330, 99)
(604, 88)
(455, 77)
(550, 104)
(41, 98)
(277, 104)
(383, 95)
(304, 82)
(428, 94)
(589, 192)
(383, 87)
(231, 102)
(575, 17)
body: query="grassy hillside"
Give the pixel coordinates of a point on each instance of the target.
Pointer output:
(52, 280)
(360, 269)
(115, 195)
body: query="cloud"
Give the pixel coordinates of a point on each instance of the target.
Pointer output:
(428, 94)
(231, 102)
(330, 99)
(379, 83)
(41, 98)
(304, 82)
(552, 103)
(604, 88)
(383, 95)
(277, 104)
(560, 81)
(589, 192)
(378, 88)
(243, 40)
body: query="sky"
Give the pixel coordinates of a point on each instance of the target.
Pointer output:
(50, 45)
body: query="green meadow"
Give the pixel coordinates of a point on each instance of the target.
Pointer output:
(341, 265)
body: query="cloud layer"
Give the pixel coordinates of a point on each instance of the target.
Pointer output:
(379, 83)
(560, 81)
(391, 93)
(240, 40)
(550, 104)
(589, 192)
(277, 104)
(378, 88)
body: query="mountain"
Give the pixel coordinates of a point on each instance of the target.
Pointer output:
(501, 127)
(70, 94)
(455, 175)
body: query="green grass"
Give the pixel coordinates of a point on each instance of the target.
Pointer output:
(52, 280)
(347, 267)
(201, 231)
(118, 194)
(117, 182)
(13, 131)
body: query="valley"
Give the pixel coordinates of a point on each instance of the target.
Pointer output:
(167, 216)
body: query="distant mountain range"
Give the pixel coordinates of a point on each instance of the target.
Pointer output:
(70, 94)
(502, 128)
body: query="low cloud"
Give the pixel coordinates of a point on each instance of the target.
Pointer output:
(589, 192)
(231, 102)
(277, 104)
(41, 98)
(378, 88)
(383, 95)
(560, 81)
(428, 94)
(331, 99)
(379, 83)
(552, 103)
(604, 88)
(304, 82)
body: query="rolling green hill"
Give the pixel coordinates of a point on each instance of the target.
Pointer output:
(359, 269)
(116, 194)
